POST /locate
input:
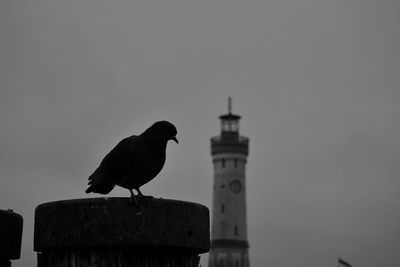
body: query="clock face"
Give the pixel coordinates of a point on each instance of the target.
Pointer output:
(235, 186)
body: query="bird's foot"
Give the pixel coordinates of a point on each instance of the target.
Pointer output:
(135, 204)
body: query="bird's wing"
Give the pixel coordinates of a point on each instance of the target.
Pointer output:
(116, 163)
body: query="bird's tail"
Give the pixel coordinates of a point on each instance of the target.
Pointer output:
(98, 184)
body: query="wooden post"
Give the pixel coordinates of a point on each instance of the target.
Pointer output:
(105, 232)
(10, 237)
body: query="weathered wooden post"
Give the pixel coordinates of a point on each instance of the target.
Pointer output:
(10, 237)
(107, 232)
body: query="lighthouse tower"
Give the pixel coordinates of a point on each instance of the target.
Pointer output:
(229, 150)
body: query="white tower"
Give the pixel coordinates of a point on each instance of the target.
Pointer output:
(229, 150)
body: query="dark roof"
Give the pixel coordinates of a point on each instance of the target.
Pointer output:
(229, 116)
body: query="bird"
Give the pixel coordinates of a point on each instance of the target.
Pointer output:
(134, 161)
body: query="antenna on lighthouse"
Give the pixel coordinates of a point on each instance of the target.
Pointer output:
(230, 105)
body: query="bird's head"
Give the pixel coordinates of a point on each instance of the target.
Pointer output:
(164, 130)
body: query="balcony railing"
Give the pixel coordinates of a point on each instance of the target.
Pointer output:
(219, 138)
(229, 144)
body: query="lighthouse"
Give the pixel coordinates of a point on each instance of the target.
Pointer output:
(229, 150)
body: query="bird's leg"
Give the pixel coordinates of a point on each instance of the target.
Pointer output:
(135, 202)
(133, 198)
(139, 193)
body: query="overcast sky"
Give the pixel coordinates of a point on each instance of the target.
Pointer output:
(316, 82)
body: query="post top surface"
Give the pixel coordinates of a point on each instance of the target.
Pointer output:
(111, 222)
(114, 199)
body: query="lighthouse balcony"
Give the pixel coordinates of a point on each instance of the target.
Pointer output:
(229, 144)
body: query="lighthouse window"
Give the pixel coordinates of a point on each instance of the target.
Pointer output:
(236, 163)
(236, 230)
(235, 126)
(222, 208)
(225, 126)
(223, 163)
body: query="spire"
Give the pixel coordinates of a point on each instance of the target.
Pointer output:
(229, 115)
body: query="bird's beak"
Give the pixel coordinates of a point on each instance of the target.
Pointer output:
(175, 140)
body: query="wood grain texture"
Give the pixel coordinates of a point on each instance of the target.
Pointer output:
(108, 232)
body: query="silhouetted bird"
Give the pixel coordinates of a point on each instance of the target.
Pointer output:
(134, 161)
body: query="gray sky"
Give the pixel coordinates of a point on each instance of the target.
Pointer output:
(316, 82)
